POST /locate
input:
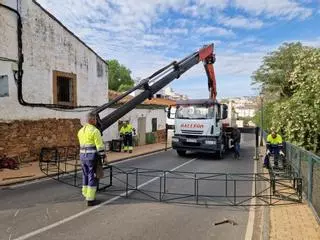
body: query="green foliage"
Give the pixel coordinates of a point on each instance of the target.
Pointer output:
(267, 116)
(275, 71)
(119, 77)
(293, 71)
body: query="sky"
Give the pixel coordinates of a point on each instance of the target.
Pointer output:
(145, 35)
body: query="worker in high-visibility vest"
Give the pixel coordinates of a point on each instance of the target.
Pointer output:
(126, 132)
(91, 151)
(274, 146)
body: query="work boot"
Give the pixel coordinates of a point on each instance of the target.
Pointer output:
(93, 203)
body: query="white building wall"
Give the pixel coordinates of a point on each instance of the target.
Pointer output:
(47, 46)
(113, 133)
(245, 112)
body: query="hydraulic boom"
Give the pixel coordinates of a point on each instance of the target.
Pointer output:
(157, 81)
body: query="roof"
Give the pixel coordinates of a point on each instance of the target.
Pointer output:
(196, 101)
(154, 101)
(68, 30)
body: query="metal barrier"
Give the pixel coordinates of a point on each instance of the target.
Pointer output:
(56, 163)
(221, 189)
(306, 166)
(179, 186)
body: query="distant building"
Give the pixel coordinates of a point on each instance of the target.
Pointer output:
(166, 93)
(148, 118)
(169, 93)
(246, 111)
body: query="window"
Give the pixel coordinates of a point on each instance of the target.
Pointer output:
(154, 124)
(4, 86)
(64, 88)
(195, 112)
(99, 69)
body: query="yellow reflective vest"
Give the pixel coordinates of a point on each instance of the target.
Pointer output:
(125, 130)
(276, 140)
(90, 140)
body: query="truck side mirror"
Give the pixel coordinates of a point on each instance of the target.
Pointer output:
(224, 111)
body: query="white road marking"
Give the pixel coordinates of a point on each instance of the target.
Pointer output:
(70, 218)
(249, 230)
(17, 212)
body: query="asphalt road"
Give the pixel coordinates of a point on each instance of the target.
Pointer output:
(53, 210)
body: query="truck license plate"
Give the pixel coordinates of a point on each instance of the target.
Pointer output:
(191, 140)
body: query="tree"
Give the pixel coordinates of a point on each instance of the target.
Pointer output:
(119, 76)
(274, 73)
(292, 76)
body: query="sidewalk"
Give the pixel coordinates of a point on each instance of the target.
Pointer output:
(290, 222)
(31, 171)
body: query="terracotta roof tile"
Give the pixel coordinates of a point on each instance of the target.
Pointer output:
(154, 101)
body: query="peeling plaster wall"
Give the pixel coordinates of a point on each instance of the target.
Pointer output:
(47, 46)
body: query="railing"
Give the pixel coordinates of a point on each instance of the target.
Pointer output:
(236, 189)
(201, 188)
(306, 165)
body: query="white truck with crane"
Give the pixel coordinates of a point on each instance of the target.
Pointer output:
(202, 125)
(198, 125)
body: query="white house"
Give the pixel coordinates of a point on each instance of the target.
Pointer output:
(148, 118)
(58, 68)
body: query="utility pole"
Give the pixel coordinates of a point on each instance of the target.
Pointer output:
(261, 120)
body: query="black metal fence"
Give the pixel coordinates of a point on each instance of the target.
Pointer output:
(237, 189)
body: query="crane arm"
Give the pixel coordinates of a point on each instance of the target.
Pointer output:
(157, 81)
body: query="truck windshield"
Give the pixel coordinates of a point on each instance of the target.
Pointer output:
(194, 112)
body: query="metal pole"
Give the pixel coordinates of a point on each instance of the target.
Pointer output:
(234, 192)
(256, 157)
(197, 194)
(195, 184)
(226, 185)
(261, 122)
(160, 188)
(166, 137)
(75, 172)
(310, 175)
(137, 178)
(127, 184)
(165, 182)
(255, 185)
(58, 169)
(111, 175)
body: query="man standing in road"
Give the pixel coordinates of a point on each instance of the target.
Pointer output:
(236, 137)
(126, 133)
(91, 151)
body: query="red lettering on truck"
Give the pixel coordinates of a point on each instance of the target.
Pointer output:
(192, 125)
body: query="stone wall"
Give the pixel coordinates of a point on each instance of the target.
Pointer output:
(160, 136)
(26, 138)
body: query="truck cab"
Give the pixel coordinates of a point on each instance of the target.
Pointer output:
(199, 128)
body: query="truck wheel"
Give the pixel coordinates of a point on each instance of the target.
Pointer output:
(181, 153)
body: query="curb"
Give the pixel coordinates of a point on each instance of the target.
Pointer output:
(266, 223)
(52, 175)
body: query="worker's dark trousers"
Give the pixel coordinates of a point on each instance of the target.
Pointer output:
(89, 182)
(127, 142)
